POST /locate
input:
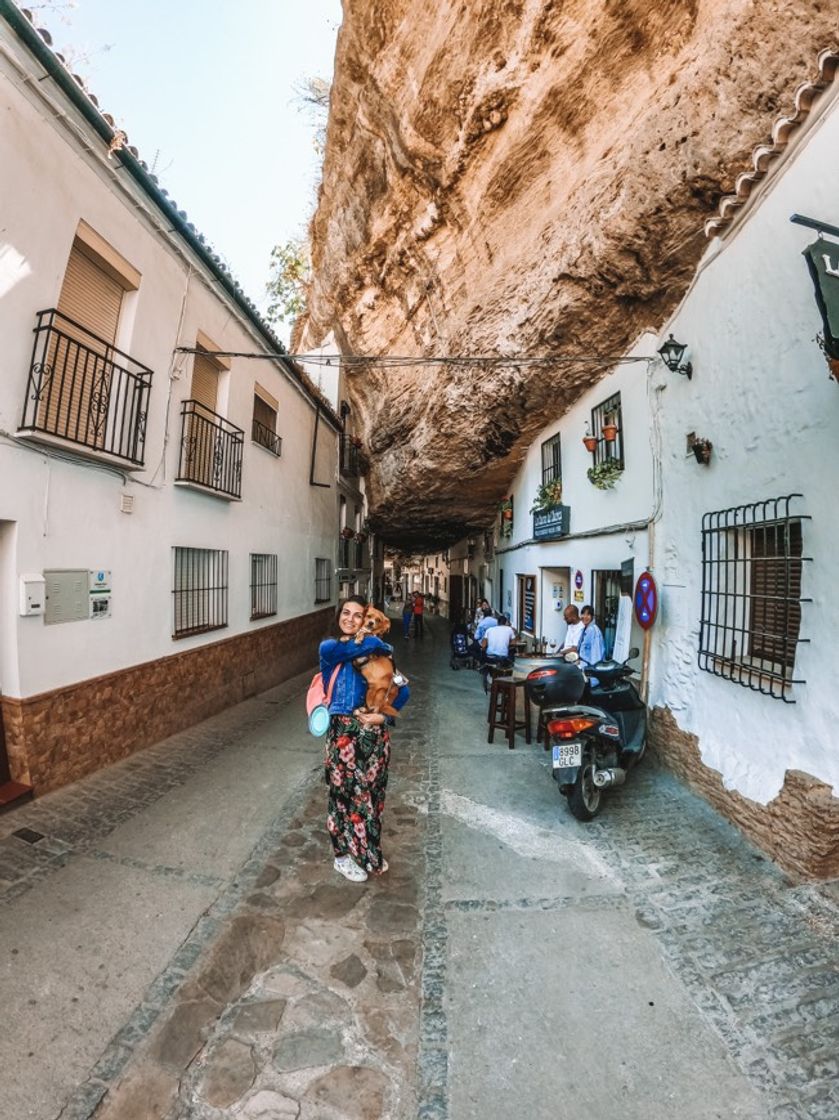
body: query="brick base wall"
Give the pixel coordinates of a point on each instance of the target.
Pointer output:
(799, 829)
(59, 736)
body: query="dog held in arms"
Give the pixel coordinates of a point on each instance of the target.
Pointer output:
(383, 681)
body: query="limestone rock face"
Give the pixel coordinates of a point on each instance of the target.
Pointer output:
(523, 178)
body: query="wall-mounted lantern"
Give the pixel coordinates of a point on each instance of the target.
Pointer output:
(672, 353)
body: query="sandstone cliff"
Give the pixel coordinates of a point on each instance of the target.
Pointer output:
(517, 178)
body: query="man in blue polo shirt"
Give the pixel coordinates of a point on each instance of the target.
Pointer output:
(592, 648)
(486, 623)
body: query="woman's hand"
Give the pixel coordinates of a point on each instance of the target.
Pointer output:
(369, 719)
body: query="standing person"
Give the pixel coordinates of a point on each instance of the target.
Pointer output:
(574, 631)
(419, 610)
(407, 615)
(480, 610)
(488, 620)
(357, 750)
(592, 648)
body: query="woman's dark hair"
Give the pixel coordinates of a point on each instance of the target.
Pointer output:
(362, 602)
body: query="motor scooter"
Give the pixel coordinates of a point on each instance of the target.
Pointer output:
(596, 732)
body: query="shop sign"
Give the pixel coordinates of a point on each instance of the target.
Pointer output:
(822, 259)
(549, 524)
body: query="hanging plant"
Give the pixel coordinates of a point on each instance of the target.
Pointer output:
(347, 533)
(548, 496)
(590, 441)
(605, 474)
(610, 428)
(361, 537)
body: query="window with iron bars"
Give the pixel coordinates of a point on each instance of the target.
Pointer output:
(752, 567)
(200, 591)
(323, 580)
(551, 460)
(608, 449)
(263, 585)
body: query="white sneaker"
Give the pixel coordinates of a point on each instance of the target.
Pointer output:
(347, 867)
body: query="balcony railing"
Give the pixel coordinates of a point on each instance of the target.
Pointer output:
(211, 451)
(266, 438)
(83, 390)
(349, 464)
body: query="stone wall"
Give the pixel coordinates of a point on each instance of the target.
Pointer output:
(799, 829)
(59, 736)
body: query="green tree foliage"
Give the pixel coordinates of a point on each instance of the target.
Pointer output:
(286, 287)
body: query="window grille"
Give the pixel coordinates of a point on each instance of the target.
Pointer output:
(200, 591)
(264, 426)
(263, 585)
(551, 460)
(323, 580)
(751, 595)
(608, 449)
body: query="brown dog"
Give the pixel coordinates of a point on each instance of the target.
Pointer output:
(379, 670)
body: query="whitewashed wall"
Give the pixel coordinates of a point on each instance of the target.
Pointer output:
(761, 394)
(592, 510)
(61, 514)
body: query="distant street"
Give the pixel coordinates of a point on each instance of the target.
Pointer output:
(176, 944)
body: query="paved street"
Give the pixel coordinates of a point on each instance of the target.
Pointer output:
(175, 943)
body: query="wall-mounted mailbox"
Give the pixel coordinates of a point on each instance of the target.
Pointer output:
(32, 594)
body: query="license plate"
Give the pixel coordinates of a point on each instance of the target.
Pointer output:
(567, 754)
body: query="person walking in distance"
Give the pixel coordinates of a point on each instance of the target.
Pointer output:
(419, 610)
(407, 615)
(357, 749)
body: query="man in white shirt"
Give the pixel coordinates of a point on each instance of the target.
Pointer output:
(575, 629)
(497, 639)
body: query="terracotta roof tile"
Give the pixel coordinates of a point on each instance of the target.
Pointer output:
(764, 155)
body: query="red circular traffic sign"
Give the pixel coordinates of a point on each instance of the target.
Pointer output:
(646, 600)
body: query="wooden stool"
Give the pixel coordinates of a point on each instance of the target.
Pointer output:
(503, 699)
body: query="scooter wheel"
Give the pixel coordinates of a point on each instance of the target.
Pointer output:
(584, 797)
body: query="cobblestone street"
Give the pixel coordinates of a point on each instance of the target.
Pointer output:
(175, 942)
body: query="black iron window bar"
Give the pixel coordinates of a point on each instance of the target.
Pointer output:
(608, 449)
(83, 390)
(211, 450)
(349, 464)
(263, 585)
(343, 553)
(359, 554)
(200, 591)
(266, 438)
(752, 566)
(323, 580)
(552, 460)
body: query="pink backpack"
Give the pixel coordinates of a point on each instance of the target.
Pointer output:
(317, 702)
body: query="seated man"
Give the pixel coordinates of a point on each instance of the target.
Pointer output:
(488, 620)
(574, 631)
(496, 643)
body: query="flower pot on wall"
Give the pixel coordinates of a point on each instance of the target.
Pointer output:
(590, 443)
(610, 432)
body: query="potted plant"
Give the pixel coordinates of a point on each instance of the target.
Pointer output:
(610, 427)
(590, 441)
(347, 533)
(361, 537)
(702, 449)
(356, 441)
(548, 496)
(605, 474)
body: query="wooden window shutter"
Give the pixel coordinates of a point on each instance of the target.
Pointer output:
(775, 592)
(80, 360)
(264, 414)
(205, 381)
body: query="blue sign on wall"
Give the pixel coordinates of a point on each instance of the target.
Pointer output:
(548, 524)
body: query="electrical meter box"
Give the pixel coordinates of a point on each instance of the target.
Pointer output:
(99, 593)
(33, 591)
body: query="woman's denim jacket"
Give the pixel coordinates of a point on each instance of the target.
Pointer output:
(350, 686)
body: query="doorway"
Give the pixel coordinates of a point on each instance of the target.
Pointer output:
(606, 593)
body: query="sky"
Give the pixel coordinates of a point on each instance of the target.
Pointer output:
(205, 89)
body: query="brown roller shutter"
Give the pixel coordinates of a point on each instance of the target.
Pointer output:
(76, 403)
(205, 382)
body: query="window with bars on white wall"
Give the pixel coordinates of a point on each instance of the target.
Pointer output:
(323, 580)
(199, 591)
(263, 585)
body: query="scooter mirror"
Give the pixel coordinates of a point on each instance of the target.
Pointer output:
(633, 653)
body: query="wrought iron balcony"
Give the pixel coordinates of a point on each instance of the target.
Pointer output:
(211, 451)
(266, 438)
(349, 462)
(83, 390)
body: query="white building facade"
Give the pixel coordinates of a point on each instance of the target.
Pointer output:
(743, 685)
(590, 543)
(168, 512)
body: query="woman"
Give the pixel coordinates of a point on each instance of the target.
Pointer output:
(357, 750)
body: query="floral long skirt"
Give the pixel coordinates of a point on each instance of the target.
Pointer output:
(356, 767)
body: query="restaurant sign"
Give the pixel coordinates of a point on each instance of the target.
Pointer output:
(549, 524)
(823, 262)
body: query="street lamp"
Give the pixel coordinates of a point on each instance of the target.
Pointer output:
(671, 354)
